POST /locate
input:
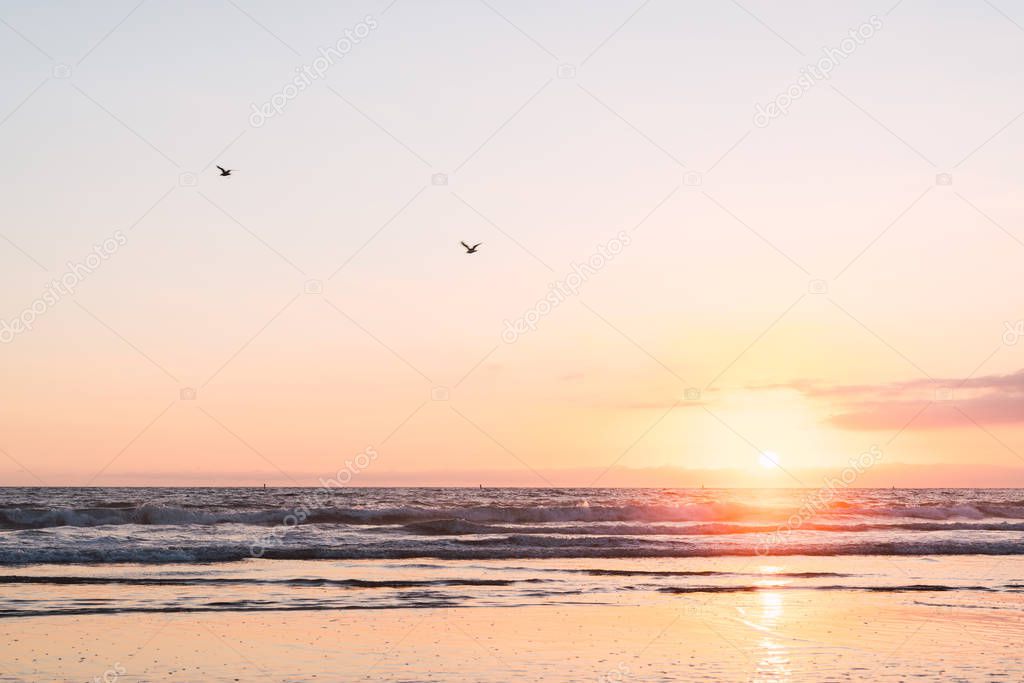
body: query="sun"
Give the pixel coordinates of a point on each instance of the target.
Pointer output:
(768, 459)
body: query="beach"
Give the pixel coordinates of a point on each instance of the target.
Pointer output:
(760, 636)
(510, 584)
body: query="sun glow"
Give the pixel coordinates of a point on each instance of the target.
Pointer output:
(768, 459)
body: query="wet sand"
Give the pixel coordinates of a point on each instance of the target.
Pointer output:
(767, 635)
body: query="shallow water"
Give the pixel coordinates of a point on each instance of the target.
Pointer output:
(260, 585)
(766, 635)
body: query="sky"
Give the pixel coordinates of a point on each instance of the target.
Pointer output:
(734, 243)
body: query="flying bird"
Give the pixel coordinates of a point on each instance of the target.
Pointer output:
(471, 249)
(225, 171)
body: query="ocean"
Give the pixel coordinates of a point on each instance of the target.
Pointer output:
(120, 550)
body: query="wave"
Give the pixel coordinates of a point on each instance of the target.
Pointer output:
(905, 588)
(965, 511)
(453, 520)
(35, 518)
(232, 606)
(427, 598)
(459, 527)
(213, 581)
(503, 548)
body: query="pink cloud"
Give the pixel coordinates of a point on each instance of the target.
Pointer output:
(919, 404)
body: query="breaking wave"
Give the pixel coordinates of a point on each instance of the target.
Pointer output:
(466, 520)
(160, 526)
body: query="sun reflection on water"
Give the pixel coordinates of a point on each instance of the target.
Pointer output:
(774, 663)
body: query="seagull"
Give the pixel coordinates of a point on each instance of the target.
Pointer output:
(471, 249)
(225, 171)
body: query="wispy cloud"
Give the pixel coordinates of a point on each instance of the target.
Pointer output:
(937, 404)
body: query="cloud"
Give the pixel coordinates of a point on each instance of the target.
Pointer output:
(920, 404)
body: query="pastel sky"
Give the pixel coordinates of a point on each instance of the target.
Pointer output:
(841, 275)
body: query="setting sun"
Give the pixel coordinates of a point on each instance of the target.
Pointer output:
(768, 459)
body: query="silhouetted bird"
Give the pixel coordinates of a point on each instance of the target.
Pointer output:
(471, 249)
(225, 171)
